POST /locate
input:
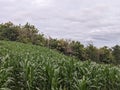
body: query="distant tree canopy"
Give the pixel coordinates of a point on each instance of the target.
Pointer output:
(26, 33)
(30, 34)
(8, 32)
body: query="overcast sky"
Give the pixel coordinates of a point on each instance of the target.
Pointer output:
(96, 21)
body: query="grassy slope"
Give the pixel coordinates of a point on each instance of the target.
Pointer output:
(28, 67)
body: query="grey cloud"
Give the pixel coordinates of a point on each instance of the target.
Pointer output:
(82, 20)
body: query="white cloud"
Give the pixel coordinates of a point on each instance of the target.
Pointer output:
(42, 2)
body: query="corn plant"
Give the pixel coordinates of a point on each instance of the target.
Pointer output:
(29, 67)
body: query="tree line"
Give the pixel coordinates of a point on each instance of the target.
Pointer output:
(30, 34)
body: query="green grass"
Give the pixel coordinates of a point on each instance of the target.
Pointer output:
(28, 67)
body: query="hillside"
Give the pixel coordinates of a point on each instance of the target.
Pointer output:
(29, 34)
(30, 67)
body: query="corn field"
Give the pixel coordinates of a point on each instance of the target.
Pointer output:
(28, 67)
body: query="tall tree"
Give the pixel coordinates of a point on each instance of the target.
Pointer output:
(92, 53)
(78, 50)
(105, 55)
(8, 31)
(116, 53)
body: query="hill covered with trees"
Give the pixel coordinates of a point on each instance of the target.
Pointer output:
(30, 34)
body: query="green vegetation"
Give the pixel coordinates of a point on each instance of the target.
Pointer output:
(30, 67)
(29, 34)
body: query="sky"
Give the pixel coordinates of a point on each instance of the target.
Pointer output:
(96, 21)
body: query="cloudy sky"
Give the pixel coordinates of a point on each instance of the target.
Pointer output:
(96, 21)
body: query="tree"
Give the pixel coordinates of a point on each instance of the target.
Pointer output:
(105, 55)
(116, 54)
(62, 45)
(92, 53)
(78, 50)
(28, 33)
(8, 32)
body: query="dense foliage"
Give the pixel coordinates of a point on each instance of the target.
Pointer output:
(29, 67)
(29, 34)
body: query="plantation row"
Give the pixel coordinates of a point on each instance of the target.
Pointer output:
(29, 34)
(28, 67)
